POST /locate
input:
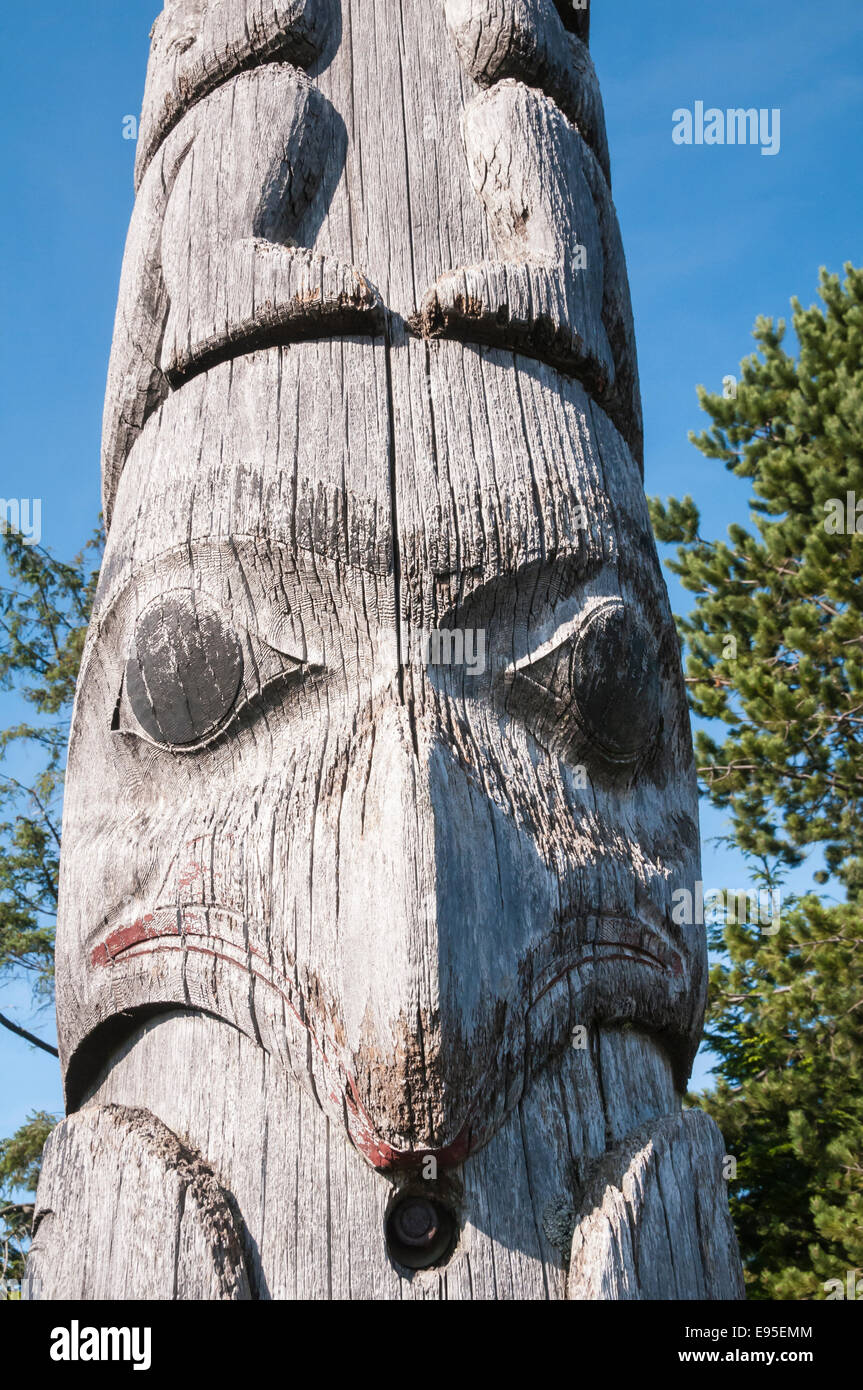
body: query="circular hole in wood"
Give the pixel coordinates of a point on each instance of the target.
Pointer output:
(420, 1231)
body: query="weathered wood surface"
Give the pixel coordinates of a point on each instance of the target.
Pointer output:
(417, 915)
(314, 1214)
(172, 1230)
(653, 1221)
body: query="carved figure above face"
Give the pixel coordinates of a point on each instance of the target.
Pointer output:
(198, 45)
(236, 153)
(538, 157)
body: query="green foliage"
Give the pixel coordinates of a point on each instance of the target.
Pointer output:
(784, 1020)
(775, 654)
(44, 610)
(775, 641)
(43, 621)
(20, 1159)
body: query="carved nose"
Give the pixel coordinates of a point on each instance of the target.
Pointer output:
(432, 921)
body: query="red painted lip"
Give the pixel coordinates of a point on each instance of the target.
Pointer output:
(156, 931)
(124, 938)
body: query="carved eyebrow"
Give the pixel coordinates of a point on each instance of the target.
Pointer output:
(564, 628)
(292, 586)
(530, 583)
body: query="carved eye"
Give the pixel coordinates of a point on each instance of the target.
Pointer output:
(185, 669)
(615, 678)
(597, 680)
(186, 673)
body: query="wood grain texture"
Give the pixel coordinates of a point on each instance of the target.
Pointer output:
(653, 1222)
(315, 1215)
(536, 296)
(558, 242)
(527, 40)
(214, 263)
(357, 922)
(173, 1231)
(197, 44)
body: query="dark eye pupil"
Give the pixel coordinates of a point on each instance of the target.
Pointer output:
(185, 671)
(615, 674)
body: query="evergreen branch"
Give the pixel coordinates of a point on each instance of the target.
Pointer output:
(28, 1037)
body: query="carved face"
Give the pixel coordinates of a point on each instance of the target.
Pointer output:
(409, 881)
(291, 803)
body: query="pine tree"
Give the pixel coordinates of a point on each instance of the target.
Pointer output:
(44, 609)
(20, 1161)
(775, 653)
(785, 1023)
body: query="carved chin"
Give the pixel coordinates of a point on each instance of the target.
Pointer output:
(437, 1082)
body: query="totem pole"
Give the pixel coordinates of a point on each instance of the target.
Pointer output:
(370, 980)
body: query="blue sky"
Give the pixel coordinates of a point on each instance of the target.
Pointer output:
(714, 236)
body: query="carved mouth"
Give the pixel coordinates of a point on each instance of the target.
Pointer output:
(221, 933)
(619, 938)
